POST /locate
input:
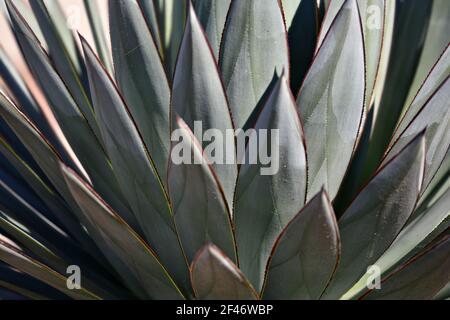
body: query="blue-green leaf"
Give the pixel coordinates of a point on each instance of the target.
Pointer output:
(331, 102)
(215, 277)
(199, 99)
(254, 47)
(376, 216)
(279, 186)
(305, 255)
(141, 78)
(200, 209)
(135, 169)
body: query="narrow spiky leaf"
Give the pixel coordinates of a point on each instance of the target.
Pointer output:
(86, 144)
(135, 169)
(149, 11)
(96, 24)
(419, 279)
(125, 249)
(64, 53)
(47, 159)
(141, 78)
(14, 257)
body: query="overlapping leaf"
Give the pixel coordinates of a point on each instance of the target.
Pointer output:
(331, 102)
(47, 159)
(215, 277)
(141, 78)
(420, 279)
(279, 186)
(254, 47)
(199, 99)
(171, 16)
(135, 169)
(200, 209)
(122, 246)
(150, 14)
(13, 256)
(407, 44)
(96, 24)
(64, 53)
(437, 40)
(434, 118)
(305, 255)
(212, 15)
(376, 216)
(78, 132)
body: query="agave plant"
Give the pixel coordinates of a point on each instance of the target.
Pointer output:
(93, 206)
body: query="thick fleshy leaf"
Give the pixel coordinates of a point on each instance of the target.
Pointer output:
(439, 73)
(126, 250)
(171, 15)
(64, 54)
(77, 130)
(377, 58)
(407, 44)
(436, 41)
(420, 279)
(149, 11)
(302, 25)
(12, 255)
(434, 118)
(279, 186)
(414, 237)
(305, 255)
(215, 277)
(141, 78)
(212, 15)
(199, 99)
(199, 207)
(254, 47)
(135, 169)
(376, 216)
(331, 102)
(96, 24)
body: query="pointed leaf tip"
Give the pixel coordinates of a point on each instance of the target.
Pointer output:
(215, 277)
